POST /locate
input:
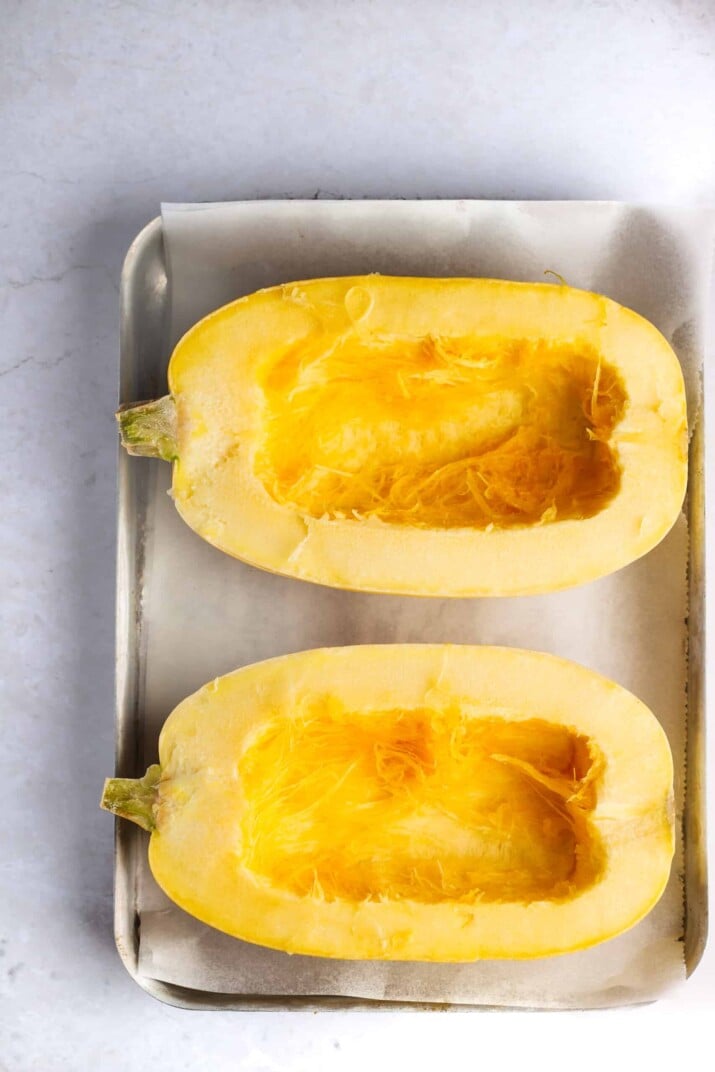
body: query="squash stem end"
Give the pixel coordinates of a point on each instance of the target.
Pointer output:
(149, 429)
(134, 798)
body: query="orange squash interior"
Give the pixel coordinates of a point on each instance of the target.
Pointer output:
(441, 432)
(419, 804)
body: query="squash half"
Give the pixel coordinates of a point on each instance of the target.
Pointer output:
(410, 802)
(451, 437)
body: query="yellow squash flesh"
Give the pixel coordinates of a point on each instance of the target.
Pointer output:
(453, 437)
(410, 802)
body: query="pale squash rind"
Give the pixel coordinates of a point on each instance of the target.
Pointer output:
(196, 858)
(212, 377)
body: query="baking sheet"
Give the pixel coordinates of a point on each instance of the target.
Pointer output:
(202, 614)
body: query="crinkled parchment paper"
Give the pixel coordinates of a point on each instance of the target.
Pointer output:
(205, 614)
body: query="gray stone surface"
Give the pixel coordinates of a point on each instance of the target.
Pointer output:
(105, 110)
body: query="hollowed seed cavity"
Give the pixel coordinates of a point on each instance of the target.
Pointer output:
(424, 805)
(441, 432)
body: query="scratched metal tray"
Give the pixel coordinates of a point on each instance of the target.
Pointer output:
(148, 689)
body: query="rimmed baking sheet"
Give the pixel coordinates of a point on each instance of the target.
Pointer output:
(187, 613)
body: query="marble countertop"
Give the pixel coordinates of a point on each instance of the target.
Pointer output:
(106, 110)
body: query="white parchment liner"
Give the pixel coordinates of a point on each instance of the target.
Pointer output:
(205, 614)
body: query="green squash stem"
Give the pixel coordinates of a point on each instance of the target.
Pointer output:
(150, 428)
(134, 798)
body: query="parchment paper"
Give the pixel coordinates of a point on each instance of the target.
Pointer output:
(204, 614)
